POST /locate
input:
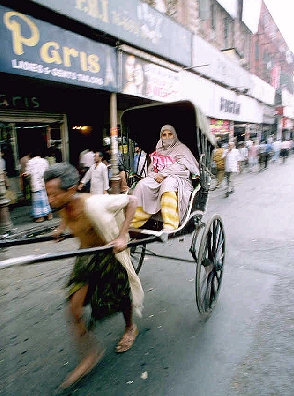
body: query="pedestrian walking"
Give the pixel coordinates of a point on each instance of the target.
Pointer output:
(276, 149)
(243, 151)
(232, 166)
(35, 169)
(253, 151)
(262, 156)
(284, 153)
(86, 160)
(220, 163)
(97, 176)
(268, 153)
(105, 280)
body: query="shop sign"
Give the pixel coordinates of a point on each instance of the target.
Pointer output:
(19, 102)
(148, 80)
(262, 91)
(133, 22)
(219, 126)
(211, 62)
(229, 106)
(37, 49)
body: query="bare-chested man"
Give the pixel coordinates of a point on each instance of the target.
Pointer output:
(105, 279)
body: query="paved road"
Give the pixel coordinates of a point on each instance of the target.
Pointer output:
(244, 348)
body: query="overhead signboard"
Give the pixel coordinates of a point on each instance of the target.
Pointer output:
(34, 48)
(212, 63)
(132, 22)
(148, 80)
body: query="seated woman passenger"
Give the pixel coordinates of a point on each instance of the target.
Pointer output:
(167, 186)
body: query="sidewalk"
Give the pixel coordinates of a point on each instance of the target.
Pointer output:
(22, 221)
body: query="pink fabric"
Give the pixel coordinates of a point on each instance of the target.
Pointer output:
(160, 161)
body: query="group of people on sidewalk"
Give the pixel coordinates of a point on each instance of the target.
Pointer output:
(251, 156)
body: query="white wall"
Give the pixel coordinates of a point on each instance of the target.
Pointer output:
(207, 95)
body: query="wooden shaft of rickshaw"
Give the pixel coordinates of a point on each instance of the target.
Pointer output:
(39, 258)
(26, 241)
(115, 178)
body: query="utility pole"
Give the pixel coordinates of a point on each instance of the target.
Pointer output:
(115, 178)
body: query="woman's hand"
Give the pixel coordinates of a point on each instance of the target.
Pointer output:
(158, 178)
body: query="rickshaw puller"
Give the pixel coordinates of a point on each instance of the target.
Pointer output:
(106, 280)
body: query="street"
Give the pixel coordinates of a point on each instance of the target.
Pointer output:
(244, 348)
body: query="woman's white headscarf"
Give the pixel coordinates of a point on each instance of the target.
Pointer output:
(178, 150)
(165, 146)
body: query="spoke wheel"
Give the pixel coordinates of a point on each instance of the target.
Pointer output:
(137, 256)
(210, 264)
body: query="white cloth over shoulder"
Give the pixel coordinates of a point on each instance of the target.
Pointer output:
(107, 216)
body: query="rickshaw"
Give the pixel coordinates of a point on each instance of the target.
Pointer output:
(141, 125)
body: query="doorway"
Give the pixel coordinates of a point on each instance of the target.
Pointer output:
(22, 131)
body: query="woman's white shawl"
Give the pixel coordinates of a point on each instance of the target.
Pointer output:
(106, 213)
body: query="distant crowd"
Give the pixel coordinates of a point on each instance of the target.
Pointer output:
(230, 158)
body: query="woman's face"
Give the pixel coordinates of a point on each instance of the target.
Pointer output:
(166, 134)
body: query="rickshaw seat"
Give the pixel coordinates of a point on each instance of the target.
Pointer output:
(155, 222)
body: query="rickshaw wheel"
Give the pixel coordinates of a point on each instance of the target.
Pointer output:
(137, 256)
(210, 264)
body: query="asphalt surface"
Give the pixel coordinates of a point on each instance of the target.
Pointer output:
(244, 348)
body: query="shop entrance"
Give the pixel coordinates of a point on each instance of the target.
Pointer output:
(21, 131)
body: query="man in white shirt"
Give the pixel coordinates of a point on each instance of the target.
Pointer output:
(97, 175)
(35, 168)
(277, 149)
(232, 166)
(243, 151)
(87, 158)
